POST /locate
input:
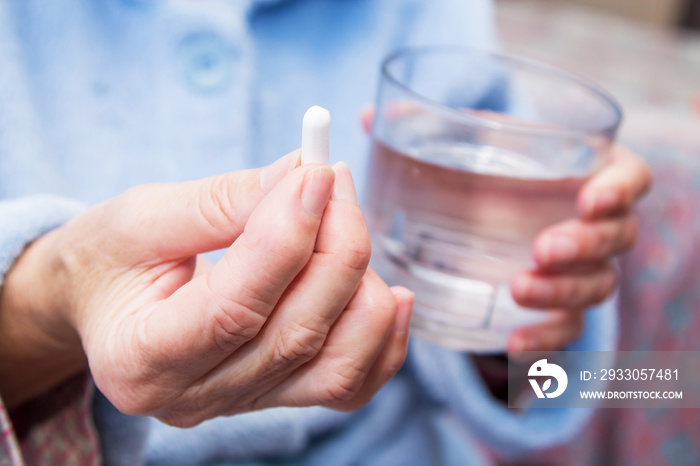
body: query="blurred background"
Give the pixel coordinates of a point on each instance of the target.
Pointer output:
(647, 54)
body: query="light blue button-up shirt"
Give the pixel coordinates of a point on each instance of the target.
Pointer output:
(97, 96)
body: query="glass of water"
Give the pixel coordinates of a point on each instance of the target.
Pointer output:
(473, 155)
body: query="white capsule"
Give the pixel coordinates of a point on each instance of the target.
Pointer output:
(315, 136)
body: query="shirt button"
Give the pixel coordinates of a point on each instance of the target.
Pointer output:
(206, 61)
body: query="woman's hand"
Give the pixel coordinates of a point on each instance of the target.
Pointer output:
(574, 258)
(290, 316)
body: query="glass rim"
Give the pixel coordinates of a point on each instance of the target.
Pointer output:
(490, 123)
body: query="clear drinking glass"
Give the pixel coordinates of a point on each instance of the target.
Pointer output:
(473, 155)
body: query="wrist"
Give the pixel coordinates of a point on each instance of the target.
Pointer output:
(39, 347)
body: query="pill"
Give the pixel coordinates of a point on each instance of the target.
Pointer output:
(315, 135)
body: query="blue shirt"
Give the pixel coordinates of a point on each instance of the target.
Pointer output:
(97, 96)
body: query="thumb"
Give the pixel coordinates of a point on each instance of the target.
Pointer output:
(178, 220)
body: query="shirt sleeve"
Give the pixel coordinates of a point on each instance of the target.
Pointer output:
(56, 428)
(24, 219)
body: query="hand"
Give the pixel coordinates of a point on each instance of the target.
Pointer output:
(290, 316)
(574, 258)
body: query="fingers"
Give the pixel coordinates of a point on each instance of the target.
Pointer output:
(337, 374)
(303, 317)
(567, 253)
(391, 358)
(577, 289)
(219, 311)
(577, 241)
(184, 219)
(616, 186)
(558, 331)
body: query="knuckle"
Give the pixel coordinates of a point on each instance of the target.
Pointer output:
(352, 249)
(356, 258)
(357, 255)
(297, 345)
(235, 319)
(215, 204)
(347, 237)
(343, 383)
(233, 328)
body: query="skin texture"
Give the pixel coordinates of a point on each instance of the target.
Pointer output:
(290, 316)
(575, 258)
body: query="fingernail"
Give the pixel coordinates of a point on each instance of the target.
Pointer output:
(318, 185)
(561, 248)
(344, 189)
(402, 322)
(273, 174)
